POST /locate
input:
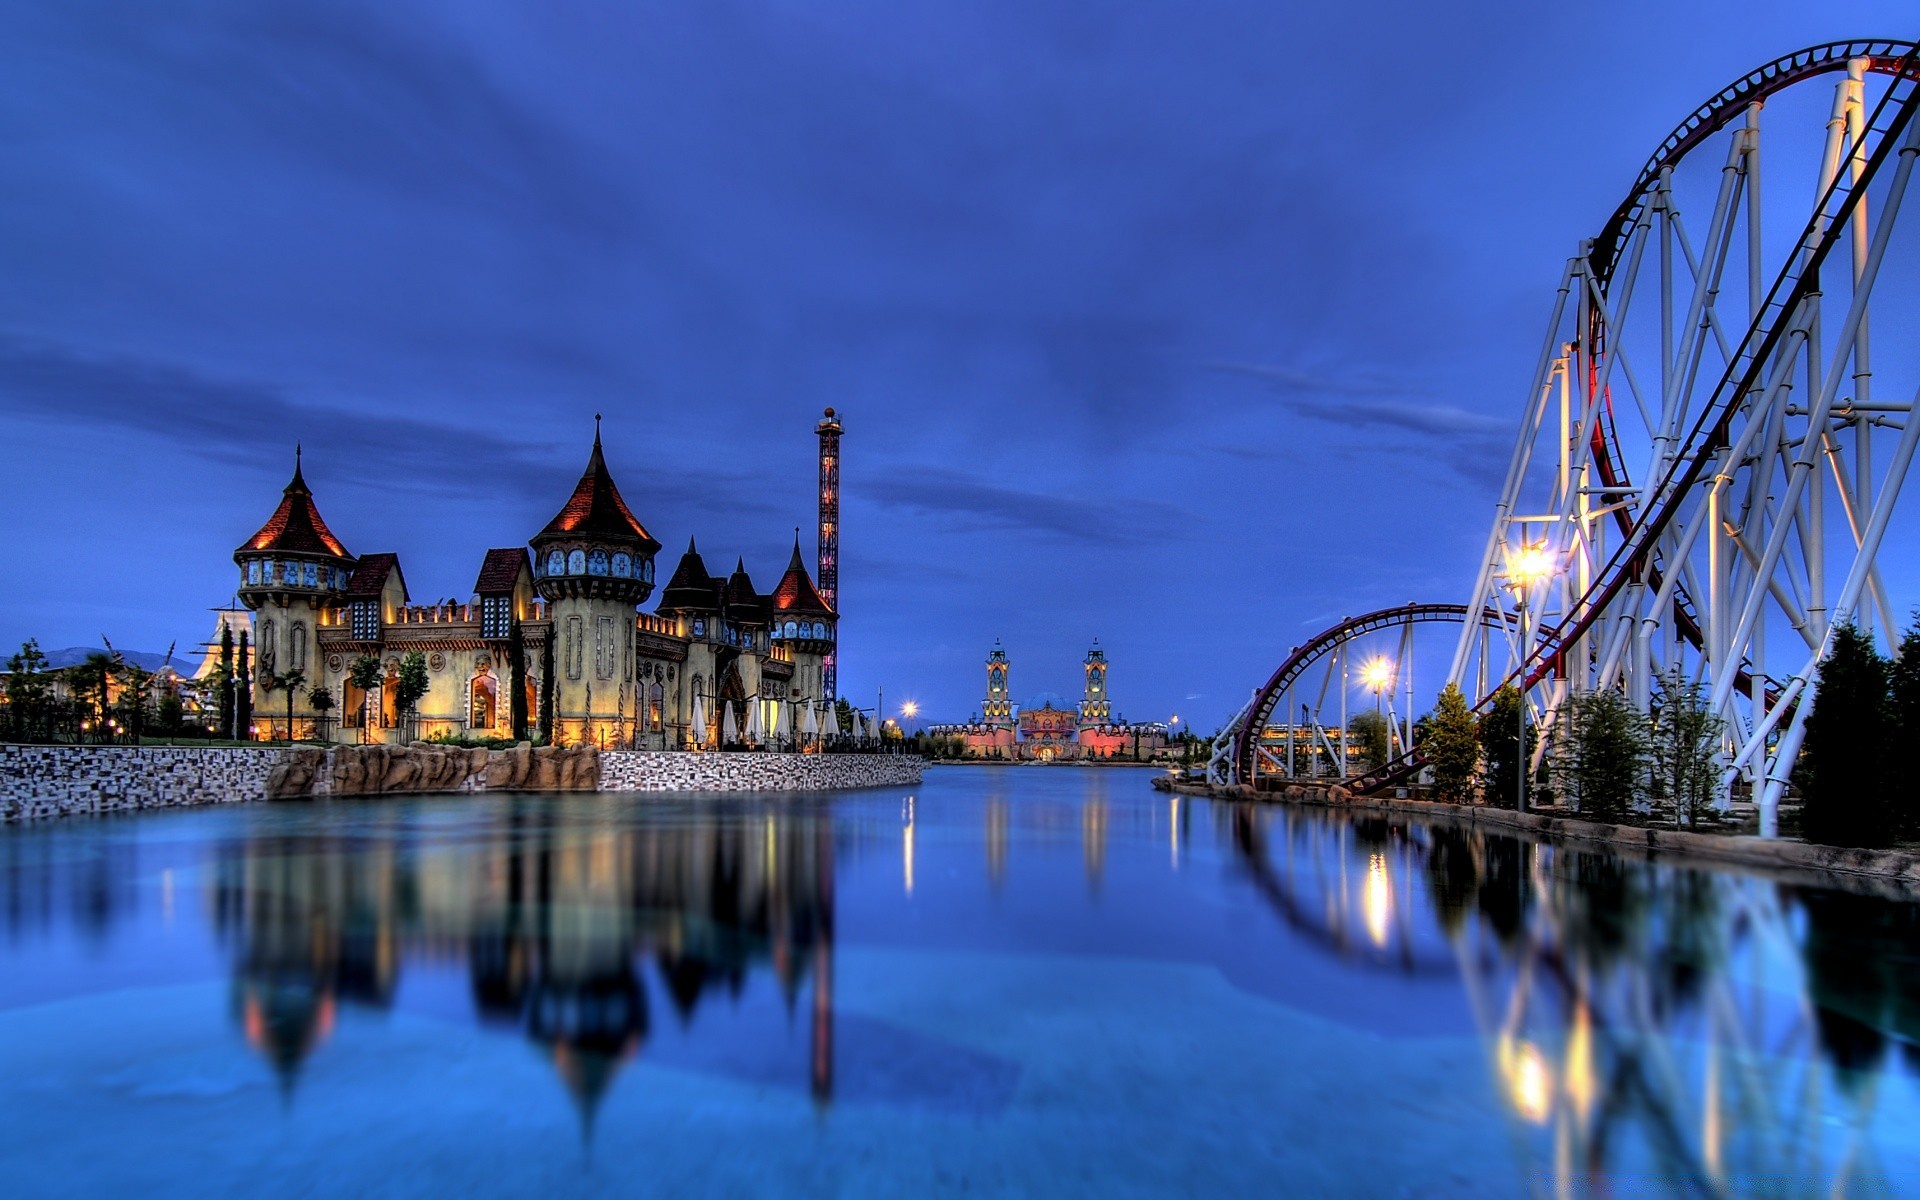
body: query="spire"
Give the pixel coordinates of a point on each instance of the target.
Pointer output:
(596, 510)
(596, 431)
(296, 524)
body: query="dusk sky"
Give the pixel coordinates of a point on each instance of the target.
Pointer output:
(1193, 327)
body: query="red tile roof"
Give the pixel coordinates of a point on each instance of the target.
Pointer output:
(595, 510)
(500, 571)
(295, 527)
(795, 591)
(370, 576)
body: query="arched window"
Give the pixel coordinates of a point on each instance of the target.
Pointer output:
(597, 563)
(483, 705)
(819, 630)
(310, 574)
(556, 562)
(792, 629)
(656, 707)
(577, 562)
(253, 572)
(622, 566)
(646, 569)
(290, 573)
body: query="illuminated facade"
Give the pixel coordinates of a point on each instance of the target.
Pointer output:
(551, 643)
(1047, 728)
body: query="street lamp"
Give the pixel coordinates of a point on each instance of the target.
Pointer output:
(1527, 568)
(1377, 674)
(910, 709)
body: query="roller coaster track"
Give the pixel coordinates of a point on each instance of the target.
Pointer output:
(1733, 430)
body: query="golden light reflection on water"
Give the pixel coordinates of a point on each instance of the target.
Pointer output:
(906, 847)
(1528, 1077)
(1379, 899)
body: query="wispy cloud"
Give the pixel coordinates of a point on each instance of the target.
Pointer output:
(972, 502)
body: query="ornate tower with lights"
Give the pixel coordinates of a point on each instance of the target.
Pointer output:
(1094, 709)
(828, 572)
(997, 710)
(593, 563)
(293, 575)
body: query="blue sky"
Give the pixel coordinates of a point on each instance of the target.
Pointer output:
(1189, 326)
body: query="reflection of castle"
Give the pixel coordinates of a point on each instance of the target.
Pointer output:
(558, 918)
(1047, 728)
(554, 641)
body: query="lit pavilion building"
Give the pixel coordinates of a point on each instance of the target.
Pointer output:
(1048, 728)
(553, 643)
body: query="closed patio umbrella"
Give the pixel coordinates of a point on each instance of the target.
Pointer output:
(832, 714)
(808, 727)
(753, 730)
(728, 734)
(783, 721)
(699, 730)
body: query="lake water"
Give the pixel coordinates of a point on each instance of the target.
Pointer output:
(1039, 980)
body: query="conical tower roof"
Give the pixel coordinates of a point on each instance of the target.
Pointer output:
(295, 527)
(743, 602)
(595, 511)
(795, 592)
(691, 587)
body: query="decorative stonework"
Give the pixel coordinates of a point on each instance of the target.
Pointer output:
(53, 781)
(57, 781)
(673, 771)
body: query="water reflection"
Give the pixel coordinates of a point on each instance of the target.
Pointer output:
(1691, 1031)
(552, 910)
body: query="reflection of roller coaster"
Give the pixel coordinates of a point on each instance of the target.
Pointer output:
(1693, 1031)
(1733, 368)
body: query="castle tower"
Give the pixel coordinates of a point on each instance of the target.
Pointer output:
(1094, 709)
(593, 563)
(804, 622)
(293, 575)
(828, 564)
(998, 707)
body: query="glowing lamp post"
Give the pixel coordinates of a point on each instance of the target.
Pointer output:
(1527, 568)
(1377, 674)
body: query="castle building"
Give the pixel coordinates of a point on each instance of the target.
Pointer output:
(551, 643)
(1047, 728)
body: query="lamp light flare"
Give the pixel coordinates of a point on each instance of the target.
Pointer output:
(1530, 564)
(1377, 673)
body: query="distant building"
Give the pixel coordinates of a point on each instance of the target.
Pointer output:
(1048, 728)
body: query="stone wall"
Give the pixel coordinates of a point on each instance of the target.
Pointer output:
(669, 771)
(51, 781)
(55, 781)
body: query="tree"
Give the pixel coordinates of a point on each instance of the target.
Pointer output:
(1370, 730)
(243, 694)
(1905, 695)
(1684, 746)
(1452, 746)
(228, 711)
(1848, 732)
(91, 683)
(320, 699)
(517, 680)
(29, 695)
(1603, 760)
(413, 682)
(288, 682)
(364, 673)
(1506, 749)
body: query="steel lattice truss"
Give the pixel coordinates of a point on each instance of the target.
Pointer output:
(1712, 445)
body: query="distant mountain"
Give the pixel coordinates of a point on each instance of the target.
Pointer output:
(146, 660)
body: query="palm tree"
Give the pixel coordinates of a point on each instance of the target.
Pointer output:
(290, 682)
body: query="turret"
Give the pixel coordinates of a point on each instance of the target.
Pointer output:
(1094, 708)
(595, 548)
(293, 575)
(593, 562)
(998, 706)
(803, 622)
